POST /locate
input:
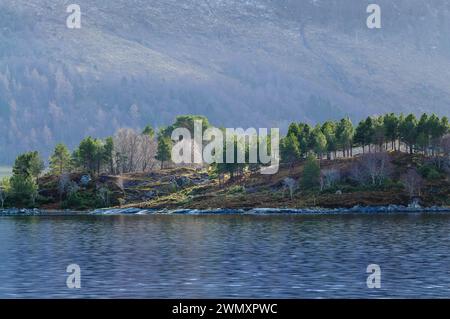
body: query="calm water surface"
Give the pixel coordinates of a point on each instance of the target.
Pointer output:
(160, 256)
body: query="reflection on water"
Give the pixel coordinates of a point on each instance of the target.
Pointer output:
(225, 256)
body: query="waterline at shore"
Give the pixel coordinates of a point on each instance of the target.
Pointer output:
(221, 211)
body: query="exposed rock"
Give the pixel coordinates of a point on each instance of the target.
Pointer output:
(183, 181)
(85, 180)
(19, 212)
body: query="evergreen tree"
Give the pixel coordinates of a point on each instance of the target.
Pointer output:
(29, 165)
(344, 134)
(391, 128)
(423, 133)
(164, 151)
(290, 149)
(24, 189)
(379, 133)
(108, 153)
(5, 190)
(437, 129)
(364, 134)
(329, 130)
(304, 138)
(148, 130)
(23, 185)
(311, 173)
(89, 155)
(60, 161)
(319, 141)
(408, 131)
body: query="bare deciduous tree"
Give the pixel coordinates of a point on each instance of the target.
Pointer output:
(63, 184)
(445, 149)
(328, 177)
(290, 184)
(3, 196)
(412, 182)
(147, 151)
(356, 173)
(377, 166)
(445, 145)
(134, 152)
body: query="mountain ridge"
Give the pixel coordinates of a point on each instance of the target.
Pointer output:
(252, 63)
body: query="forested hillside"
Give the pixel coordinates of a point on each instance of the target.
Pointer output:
(241, 63)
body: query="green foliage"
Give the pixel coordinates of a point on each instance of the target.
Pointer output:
(92, 153)
(60, 161)
(108, 153)
(345, 133)
(429, 172)
(302, 132)
(5, 190)
(185, 121)
(231, 167)
(290, 149)
(148, 130)
(236, 189)
(24, 190)
(311, 173)
(329, 130)
(391, 127)
(364, 133)
(164, 151)
(408, 130)
(319, 141)
(82, 201)
(28, 165)
(22, 186)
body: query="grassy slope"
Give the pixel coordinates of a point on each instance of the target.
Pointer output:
(157, 189)
(255, 190)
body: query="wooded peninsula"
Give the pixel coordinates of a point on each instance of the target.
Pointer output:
(383, 160)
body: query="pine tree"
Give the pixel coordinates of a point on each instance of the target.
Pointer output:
(164, 151)
(408, 131)
(148, 130)
(60, 161)
(391, 127)
(319, 141)
(290, 149)
(344, 134)
(311, 173)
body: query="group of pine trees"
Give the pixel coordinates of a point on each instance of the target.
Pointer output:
(379, 133)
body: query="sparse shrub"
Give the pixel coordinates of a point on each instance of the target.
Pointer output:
(82, 201)
(104, 195)
(429, 172)
(237, 189)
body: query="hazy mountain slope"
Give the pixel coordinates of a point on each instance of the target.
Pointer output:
(254, 62)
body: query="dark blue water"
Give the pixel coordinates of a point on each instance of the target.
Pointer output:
(225, 256)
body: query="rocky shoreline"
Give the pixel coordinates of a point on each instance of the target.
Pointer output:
(39, 212)
(255, 211)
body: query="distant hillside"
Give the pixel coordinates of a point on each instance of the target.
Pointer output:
(241, 63)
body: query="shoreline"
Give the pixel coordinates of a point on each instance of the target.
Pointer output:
(363, 210)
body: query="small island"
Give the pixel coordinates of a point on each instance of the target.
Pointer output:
(390, 161)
